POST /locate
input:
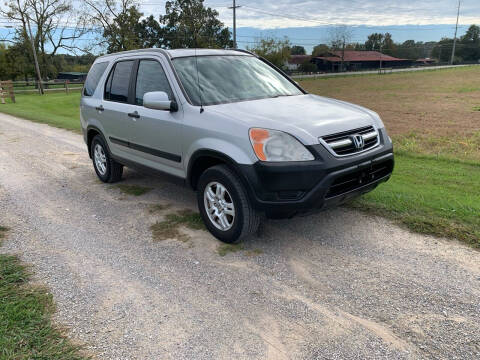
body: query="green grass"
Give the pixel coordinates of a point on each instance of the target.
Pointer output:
(187, 217)
(56, 109)
(3, 231)
(158, 208)
(134, 190)
(170, 227)
(430, 195)
(225, 249)
(465, 148)
(26, 328)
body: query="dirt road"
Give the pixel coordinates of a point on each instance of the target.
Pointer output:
(339, 284)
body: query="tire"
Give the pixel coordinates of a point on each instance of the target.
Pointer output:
(246, 219)
(107, 169)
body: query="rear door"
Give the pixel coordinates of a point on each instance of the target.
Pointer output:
(91, 99)
(157, 132)
(117, 111)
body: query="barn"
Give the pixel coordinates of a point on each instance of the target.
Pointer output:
(295, 61)
(358, 60)
(72, 76)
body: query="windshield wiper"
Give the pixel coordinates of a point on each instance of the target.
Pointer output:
(279, 95)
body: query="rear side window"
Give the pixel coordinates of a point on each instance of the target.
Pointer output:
(93, 78)
(151, 77)
(118, 82)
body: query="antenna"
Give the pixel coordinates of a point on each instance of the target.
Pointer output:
(198, 81)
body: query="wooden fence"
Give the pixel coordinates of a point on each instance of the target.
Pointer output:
(20, 87)
(6, 90)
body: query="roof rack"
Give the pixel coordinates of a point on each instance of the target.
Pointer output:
(162, 51)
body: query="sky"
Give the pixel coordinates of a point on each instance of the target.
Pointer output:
(308, 22)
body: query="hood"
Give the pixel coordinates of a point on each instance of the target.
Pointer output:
(307, 117)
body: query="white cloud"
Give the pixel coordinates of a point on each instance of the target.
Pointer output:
(326, 12)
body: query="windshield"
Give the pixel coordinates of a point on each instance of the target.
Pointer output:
(224, 79)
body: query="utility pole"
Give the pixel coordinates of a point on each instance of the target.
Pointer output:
(381, 64)
(37, 68)
(455, 37)
(234, 7)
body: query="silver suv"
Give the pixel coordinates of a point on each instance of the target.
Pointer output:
(234, 128)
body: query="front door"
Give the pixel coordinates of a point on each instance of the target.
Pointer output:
(157, 132)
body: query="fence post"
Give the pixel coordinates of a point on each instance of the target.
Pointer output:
(6, 89)
(66, 86)
(2, 98)
(11, 91)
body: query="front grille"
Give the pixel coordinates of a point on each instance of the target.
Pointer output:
(357, 179)
(343, 144)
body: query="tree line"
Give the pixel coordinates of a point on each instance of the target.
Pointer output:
(116, 25)
(56, 27)
(467, 47)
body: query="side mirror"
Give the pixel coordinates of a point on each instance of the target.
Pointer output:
(158, 100)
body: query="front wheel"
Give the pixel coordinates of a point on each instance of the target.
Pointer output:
(224, 205)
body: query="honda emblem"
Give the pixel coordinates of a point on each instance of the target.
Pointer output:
(358, 141)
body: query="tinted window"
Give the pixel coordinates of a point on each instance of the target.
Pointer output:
(119, 82)
(93, 78)
(223, 79)
(151, 77)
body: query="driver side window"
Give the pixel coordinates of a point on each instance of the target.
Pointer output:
(151, 77)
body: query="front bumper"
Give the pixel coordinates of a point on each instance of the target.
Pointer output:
(284, 190)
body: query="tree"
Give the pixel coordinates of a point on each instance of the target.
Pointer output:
(340, 36)
(308, 67)
(320, 50)
(388, 46)
(274, 50)
(56, 24)
(443, 50)
(297, 50)
(189, 24)
(117, 22)
(16, 62)
(150, 33)
(121, 35)
(469, 45)
(374, 42)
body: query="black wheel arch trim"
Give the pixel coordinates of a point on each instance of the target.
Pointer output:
(219, 156)
(93, 127)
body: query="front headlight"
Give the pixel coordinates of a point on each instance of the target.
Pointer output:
(273, 145)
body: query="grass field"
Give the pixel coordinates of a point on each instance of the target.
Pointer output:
(432, 112)
(433, 118)
(26, 330)
(57, 109)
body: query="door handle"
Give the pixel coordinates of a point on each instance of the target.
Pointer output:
(99, 108)
(134, 115)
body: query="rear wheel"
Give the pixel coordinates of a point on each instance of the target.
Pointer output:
(224, 205)
(107, 169)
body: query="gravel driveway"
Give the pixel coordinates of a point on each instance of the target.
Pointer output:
(339, 284)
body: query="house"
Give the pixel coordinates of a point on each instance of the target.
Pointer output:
(294, 61)
(358, 60)
(72, 76)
